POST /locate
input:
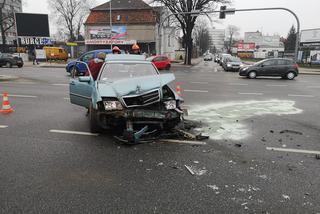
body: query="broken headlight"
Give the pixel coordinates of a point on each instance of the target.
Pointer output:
(170, 105)
(112, 105)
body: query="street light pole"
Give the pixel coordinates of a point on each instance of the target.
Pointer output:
(110, 12)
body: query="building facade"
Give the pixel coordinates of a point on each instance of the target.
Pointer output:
(217, 39)
(11, 7)
(132, 22)
(310, 46)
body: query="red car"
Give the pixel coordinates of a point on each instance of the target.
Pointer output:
(161, 62)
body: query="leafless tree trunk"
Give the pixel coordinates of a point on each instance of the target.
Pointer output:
(6, 23)
(232, 32)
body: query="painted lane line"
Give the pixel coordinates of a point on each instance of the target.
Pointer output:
(300, 95)
(259, 94)
(60, 84)
(313, 86)
(183, 142)
(27, 83)
(293, 150)
(277, 85)
(199, 83)
(196, 91)
(3, 127)
(21, 96)
(73, 132)
(240, 84)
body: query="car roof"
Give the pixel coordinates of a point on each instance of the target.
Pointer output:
(100, 50)
(125, 58)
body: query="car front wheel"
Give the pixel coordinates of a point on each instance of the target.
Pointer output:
(252, 75)
(290, 76)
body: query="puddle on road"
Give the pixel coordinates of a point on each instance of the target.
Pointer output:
(224, 120)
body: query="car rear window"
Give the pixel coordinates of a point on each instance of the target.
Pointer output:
(117, 71)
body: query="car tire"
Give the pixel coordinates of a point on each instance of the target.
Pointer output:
(20, 66)
(8, 64)
(290, 75)
(168, 67)
(252, 75)
(94, 127)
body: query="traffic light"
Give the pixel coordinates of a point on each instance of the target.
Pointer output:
(222, 14)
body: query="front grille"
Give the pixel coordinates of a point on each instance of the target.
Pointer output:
(142, 100)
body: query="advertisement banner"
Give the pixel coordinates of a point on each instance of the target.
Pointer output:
(315, 56)
(119, 32)
(109, 42)
(310, 36)
(246, 46)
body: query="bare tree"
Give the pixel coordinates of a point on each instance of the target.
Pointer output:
(72, 15)
(232, 32)
(6, 21)
(202, 35)
(187, 21)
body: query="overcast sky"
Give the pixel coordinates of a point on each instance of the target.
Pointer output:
(271, 22)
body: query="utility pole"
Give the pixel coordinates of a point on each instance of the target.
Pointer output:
(110, 12)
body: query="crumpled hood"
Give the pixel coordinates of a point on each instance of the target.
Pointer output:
(133, 86)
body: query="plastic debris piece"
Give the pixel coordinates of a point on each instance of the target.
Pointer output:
(238, 145)
(160, 164)
(291, 132)
(287, 197)
(141, 161)
(196, 162)
(213, 187)
(264, 177)
(189, 169)
(244, 204)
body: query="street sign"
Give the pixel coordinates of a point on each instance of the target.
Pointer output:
(71, 44)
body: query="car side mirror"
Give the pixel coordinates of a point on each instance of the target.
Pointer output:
(262, 65)
(86, 79)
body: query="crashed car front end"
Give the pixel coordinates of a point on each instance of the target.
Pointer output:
(160, 107)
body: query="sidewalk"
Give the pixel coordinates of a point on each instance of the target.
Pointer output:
(46, 65)
(194, 61)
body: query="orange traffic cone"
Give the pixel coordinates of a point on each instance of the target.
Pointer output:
(178, 89)
(6, 108)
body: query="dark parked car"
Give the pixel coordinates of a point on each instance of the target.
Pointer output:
(208, 57)
(285, 68)
(232, 64)
(10, 60)
(223, 58)
(86, 57)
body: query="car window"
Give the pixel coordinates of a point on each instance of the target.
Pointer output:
(117, 71)
(157, 59)
(284, 62)
(87, 57)
(270, 62)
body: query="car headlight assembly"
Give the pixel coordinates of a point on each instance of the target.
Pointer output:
(229, 65)
(112, 105)
(171, 104)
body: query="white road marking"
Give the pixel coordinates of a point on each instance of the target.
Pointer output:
(73, 132)
(313, 86)
(66, 98)
(183, 142)
(300, 95)
(196, 91)
(21, 96)
(259, 94)
(293, 150)
(277, 85)
(199, 83)
(60, 84)
(241, 84)
(3, 127)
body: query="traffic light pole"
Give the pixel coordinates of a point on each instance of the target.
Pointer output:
(232, 11)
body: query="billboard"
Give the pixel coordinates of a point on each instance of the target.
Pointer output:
(32, 25)
(310, 36)
(119, 32)
(246, 46)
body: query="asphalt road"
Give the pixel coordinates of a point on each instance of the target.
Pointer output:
(237, 171)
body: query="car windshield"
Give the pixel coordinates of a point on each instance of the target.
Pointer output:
(117, 71)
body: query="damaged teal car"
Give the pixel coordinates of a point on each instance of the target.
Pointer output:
(130, 95)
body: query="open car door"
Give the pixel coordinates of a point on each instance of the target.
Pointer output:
(81, 88)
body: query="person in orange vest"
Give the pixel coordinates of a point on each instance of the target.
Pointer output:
(136, 49)
(116, 50)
